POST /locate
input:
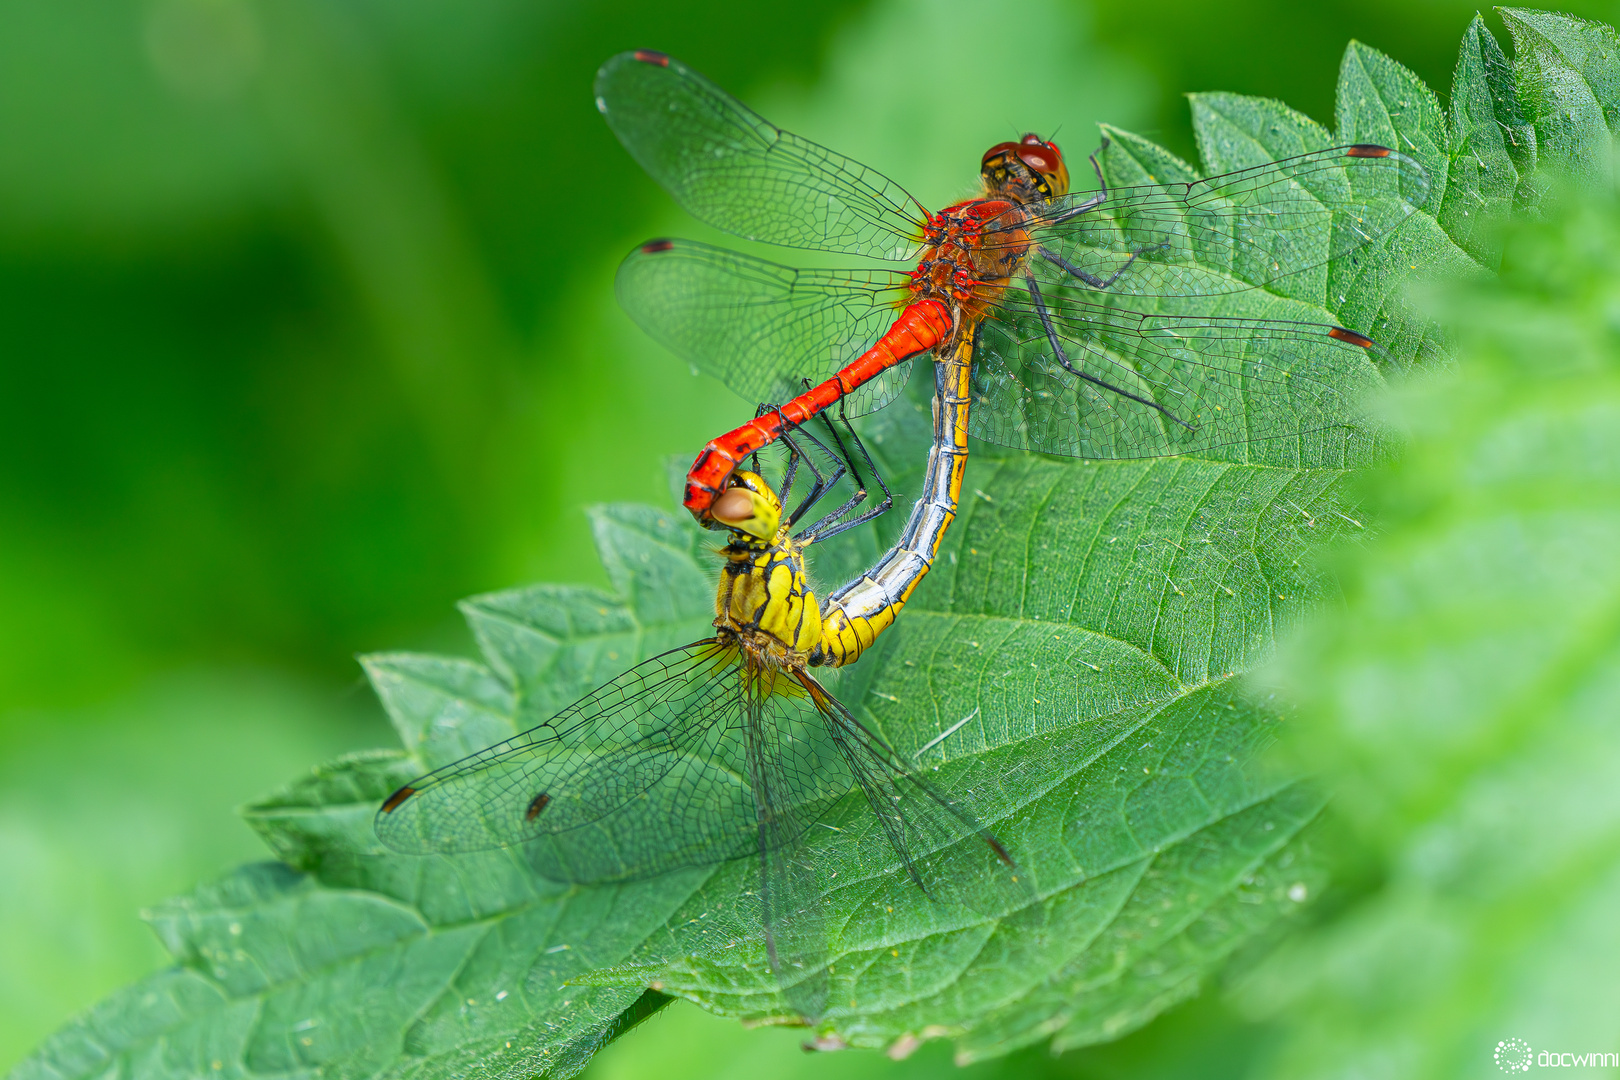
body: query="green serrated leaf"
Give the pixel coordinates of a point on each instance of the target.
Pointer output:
(1493, 146)
(1568, 75)
(443, 708)
(1381, 101)
(1103, 728)
(1129, 159)
(176, 1023)
(657, 561)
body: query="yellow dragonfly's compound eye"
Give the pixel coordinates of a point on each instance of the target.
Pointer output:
(733, 506)
(749, 506)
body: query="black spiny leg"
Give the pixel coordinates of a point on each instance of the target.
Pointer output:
(1062, 358)
(822, 482)
(831, 525)
(1083, 208)
(1092, 203)
(818, 487)
(1090, 279)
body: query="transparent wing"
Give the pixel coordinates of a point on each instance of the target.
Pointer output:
(638, 777)
(1083, 380)
(805, 752)
(735, 170)
(1230, 232)
(942, 847)
(796, 775)
(654, 770)
(758, 327)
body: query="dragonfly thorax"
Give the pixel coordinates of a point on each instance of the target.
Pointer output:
(972, 250)
(975, 247)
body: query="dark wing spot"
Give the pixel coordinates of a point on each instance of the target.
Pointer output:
(392, 802)
(1001, 852)
(653, 247)
(1367, 150)
(650, 56)
(1350, 337)
(537, 804)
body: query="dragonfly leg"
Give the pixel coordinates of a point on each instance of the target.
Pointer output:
(831, 525)
(1096, 200)
(1090, 279)
(1083, 208)
(842, 462)
(819, 485)
(1063, 358)
(765, 409)
(822, 482)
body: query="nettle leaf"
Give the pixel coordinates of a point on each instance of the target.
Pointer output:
(1493, 147)
(1569, 85)
(1074, 668)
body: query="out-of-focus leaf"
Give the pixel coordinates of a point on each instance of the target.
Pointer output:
(1467, 695)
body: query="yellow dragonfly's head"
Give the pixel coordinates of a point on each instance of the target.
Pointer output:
(749, 506)
(1018, 169)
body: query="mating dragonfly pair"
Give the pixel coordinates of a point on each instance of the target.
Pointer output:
(1056, 322)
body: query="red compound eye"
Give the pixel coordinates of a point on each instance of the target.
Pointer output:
(1038, 154)
(997, 151)
(1037, 160)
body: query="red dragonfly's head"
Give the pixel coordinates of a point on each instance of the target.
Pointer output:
(1025, 170)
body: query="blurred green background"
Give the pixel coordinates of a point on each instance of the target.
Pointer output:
(309, 332)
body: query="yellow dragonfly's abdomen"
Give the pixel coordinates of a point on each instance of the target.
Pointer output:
(861, 610)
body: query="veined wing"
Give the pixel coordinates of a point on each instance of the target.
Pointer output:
(648, 773)
(942, 847)
(803, 751)
(1081, 379)
(636, 778)
(732, 168)
(1229, 232)
(796, 775)
(758, 327)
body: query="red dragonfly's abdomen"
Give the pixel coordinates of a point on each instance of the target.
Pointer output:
(920, 327)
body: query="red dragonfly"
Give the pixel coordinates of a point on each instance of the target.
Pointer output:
(1033, 274)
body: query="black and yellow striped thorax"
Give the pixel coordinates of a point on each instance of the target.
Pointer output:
(763, 597)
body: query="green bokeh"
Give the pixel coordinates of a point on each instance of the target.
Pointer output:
(310, 333)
